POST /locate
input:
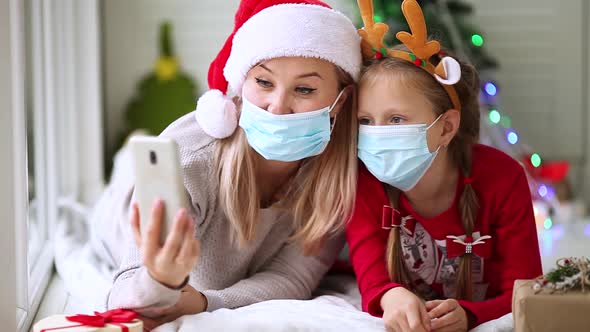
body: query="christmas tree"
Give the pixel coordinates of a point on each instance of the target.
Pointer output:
(449, 22)
(164, 94)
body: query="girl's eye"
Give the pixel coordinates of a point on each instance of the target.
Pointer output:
(364, 121)
(304, 91)
(263, 83)
(396, 120)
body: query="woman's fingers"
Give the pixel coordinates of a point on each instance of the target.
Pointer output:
(175, 238)
(154, 228)
(135, 224)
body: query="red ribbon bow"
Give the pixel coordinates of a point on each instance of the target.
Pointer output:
(100, 319)
(457, 247)
(392, 218)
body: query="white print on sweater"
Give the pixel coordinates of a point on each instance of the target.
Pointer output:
(426, 260)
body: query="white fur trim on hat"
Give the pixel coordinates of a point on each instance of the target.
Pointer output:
(216, 114)
(293, 30)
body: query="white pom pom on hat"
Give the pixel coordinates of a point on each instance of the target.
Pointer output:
(216, 114)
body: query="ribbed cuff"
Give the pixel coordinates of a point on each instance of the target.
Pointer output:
(214, 301)
(161, 296)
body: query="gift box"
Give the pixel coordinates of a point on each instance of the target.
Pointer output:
(558, 301)
(117, 320)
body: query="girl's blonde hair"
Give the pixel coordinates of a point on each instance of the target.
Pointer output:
(460, 150)
(322, 200)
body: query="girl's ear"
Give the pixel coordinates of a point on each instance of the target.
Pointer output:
(346, 93)
(451, 123)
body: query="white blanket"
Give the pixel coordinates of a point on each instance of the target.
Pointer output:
(88, 278)
(87, 267)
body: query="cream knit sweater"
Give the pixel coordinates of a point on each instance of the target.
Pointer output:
(270, 267)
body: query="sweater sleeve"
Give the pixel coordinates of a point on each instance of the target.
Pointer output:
(515, 250)
(288, 275)
(368, 244)
(133, 287)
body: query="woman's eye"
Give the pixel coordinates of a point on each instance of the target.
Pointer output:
(364, 121)
(304, 91)
(263, 83)
(396, 120)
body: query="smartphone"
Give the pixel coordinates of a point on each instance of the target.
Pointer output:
(158, 174)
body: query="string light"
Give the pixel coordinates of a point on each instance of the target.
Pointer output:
(548, 223)
(536, 160)
(542, 190)
(477, 40)
(550, 193)
(378, 19)
(495, 116)
(512, 137)
(506, 122)
(490, 88)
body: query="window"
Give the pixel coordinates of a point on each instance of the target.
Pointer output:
(50, 130)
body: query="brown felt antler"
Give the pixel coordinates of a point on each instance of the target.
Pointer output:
(372, 33)
(417, 41)
(448, 70)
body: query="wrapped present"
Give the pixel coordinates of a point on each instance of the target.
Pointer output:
(118, 320)
(558, 301)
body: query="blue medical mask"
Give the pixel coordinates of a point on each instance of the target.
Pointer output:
(396, 154)
(287, 137)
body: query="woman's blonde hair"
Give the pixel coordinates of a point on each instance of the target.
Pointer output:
(322, 200)
(459, 148)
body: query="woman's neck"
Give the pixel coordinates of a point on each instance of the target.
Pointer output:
(273, 176)
(435, 192)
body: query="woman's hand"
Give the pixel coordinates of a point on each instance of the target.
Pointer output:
(171, 263)
(447, 316)
(191, 302)
(404, 312)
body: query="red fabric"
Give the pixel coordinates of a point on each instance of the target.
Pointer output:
(505, 213)
(549, 171)
(247, 9)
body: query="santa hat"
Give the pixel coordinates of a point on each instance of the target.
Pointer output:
(266, 29)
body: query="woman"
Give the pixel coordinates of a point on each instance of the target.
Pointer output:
(269, 198)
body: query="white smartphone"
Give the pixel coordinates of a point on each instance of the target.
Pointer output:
(158, 174)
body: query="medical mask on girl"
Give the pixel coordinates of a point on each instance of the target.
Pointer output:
(396, 154)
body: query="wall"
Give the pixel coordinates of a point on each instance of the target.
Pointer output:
(540, 47)
(130, 32)
(539, 44)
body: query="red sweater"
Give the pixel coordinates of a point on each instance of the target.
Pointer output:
(505, 213)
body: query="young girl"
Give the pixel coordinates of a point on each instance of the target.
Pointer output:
(270, 198)
(442, 225)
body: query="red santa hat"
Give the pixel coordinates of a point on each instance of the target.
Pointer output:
(266, 29)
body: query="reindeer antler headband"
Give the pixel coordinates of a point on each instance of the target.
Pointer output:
(447, 72)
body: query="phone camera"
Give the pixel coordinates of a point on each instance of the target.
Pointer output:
(153, 158)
